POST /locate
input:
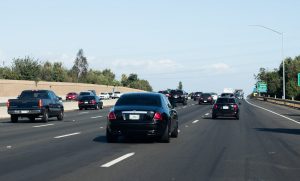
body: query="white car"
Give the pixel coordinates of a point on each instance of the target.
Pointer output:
(104, 95)
(116, 95)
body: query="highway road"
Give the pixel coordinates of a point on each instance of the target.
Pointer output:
(262, 145)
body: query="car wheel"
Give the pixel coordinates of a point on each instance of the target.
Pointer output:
(166, 136)
(110, 138)
(60, 117)
(32, 119)
(101, 107)
(45, 117)
(174, 133)
(214, 116)
(237, 117)
(14, 118)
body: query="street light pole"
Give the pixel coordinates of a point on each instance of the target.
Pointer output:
(282, 56)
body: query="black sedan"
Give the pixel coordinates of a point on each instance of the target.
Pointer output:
(142, 114)
(86, 102)
(206, 98)
(226, 107)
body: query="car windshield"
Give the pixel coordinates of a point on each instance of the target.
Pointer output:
(139, 100)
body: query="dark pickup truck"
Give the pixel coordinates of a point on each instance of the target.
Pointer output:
(36, 103)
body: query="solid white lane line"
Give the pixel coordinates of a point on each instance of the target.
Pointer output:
(195, 121)
(66, 135)
(206, 114)
(96, 117)
(101, 127)
(273, 112)
(111, 163)
(44, 125)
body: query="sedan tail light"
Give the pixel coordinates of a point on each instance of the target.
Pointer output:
(111, 116)
(40, 103)
(158, 116)
(80, 102)
(93, 102)
(209, 98)
(7, 104)
(235, 107)
(215, 106)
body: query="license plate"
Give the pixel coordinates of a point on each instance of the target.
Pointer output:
(24, 112)
(86, 102)
(134, 116)
(225, 107)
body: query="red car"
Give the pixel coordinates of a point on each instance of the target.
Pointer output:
(72, 96)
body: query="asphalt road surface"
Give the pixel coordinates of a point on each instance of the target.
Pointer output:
(263, 145)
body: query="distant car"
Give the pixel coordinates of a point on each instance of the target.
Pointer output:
(227, 95)
(226, 107)
(214, 96)
(71, 96)
(104, 95)
(205, 98)
(110, 95)
(93, 91)
(116, 95)
(142, 114)
(90, 101)
(196, 96)
(86, 93)
(179, 96)
(165, 92)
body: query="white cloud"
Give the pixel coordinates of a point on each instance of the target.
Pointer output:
(221, 68)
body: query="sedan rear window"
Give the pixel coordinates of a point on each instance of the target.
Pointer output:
(225, 100)
(139, 100)
(88, 98)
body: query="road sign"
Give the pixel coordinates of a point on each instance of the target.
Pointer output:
(262, 87)
(298, 79)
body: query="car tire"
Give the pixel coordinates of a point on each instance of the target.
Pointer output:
(101, 107)
(165, 138)
(174, 133)
(14, 118)
(97, 107)
(32, 119)
(60, 117)
(110, 138)
(45, 117)
(214, 116)
(237, 117)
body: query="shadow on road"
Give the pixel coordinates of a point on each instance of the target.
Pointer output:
(280, 130)
(125, 140)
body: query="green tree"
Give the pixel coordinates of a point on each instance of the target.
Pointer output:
(80, 67)
(180, 87)
(124, 80)
(26, 68)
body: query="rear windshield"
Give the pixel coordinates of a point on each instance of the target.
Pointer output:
(205, 95)
(226, 100)
(176, 92)
(85, 93)
(88, 98)
(139, 100)
(34, 94)
(117, 92)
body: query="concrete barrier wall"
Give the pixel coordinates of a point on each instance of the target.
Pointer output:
(13, 88)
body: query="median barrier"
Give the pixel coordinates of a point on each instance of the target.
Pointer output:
(284, 102)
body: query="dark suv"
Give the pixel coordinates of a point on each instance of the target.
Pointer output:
(179, 96)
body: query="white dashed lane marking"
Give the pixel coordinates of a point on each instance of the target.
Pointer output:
(113, 162)
(66, 135)
(195, 121)
(44, 125)
(96, 117)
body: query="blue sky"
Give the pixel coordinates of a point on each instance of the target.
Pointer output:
(208, 45)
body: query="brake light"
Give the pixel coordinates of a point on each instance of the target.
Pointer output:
(215, 106)
(158, 116)
(209, 98)
(235, 107)
(93, 102)
(40, 103)
(80, 102)
(111, 116)
(7, 104)
(168, 95)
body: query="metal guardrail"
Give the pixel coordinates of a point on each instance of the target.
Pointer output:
(285, 102)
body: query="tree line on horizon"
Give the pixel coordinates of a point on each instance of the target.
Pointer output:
(33, 69)
(273, 79)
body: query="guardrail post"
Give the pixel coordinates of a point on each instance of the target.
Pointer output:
(292, 98)
(275, 96)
